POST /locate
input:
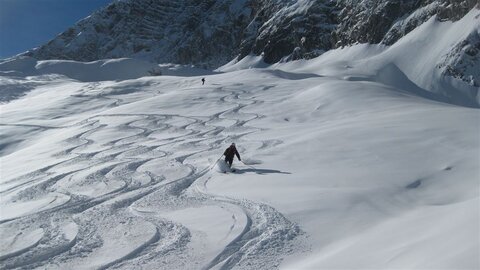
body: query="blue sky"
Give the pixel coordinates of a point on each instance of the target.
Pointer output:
(25, 24)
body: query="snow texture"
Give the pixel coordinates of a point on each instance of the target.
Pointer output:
(363, 158)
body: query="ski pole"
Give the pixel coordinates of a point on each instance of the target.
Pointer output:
(211, 167)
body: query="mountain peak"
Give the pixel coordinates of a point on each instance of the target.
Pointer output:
(211, 33)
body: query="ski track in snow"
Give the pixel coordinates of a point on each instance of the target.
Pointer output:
(113, 191)
(103, 174)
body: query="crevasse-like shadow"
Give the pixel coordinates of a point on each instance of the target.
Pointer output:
(259, 171)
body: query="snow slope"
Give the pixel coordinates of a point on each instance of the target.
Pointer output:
(349, 163)
(418, 57)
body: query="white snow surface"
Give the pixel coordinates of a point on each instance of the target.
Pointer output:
(349, 162)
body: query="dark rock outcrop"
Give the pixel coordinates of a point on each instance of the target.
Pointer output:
(386, 21)
(463, 61)
(298, 29)
(209, 33)
(188, 32)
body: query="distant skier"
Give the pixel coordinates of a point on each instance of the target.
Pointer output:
(203, 81)
(230, 153)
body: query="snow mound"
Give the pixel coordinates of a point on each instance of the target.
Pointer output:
(393, 76)
(251, 161)
(421, 56)
(249, 61)
(430, 62)
(101, 70)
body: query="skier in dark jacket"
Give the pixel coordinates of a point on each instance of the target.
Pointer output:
(203, 81)
(229, 154)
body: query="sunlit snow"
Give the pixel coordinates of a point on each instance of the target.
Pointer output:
(363, 158)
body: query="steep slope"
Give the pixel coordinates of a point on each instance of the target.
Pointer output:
(418, 63)
(343, 168)
(212, 33)
(208, 33)
(161, 31)
(385, 22)
(289, 30)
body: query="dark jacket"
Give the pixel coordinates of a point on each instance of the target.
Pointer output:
(230, 152)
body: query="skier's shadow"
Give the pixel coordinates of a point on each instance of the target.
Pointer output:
(259, 171)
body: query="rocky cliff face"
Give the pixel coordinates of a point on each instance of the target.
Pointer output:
(463, 61)
(289, 30)
(374, 21)
(386, 21)
(191, 31)
(210, 33)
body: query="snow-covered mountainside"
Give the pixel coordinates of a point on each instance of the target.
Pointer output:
(214, 32)
(211, 33)
(371, 21)
(356, 159)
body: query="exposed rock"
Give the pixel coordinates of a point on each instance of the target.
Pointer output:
(367, 21)
(206, 33)
(210, 33)
(299, 29)
(463, 61)
(386, 21)
(445, 10)
(190, 31)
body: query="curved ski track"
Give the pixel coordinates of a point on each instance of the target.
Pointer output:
(106, 183)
